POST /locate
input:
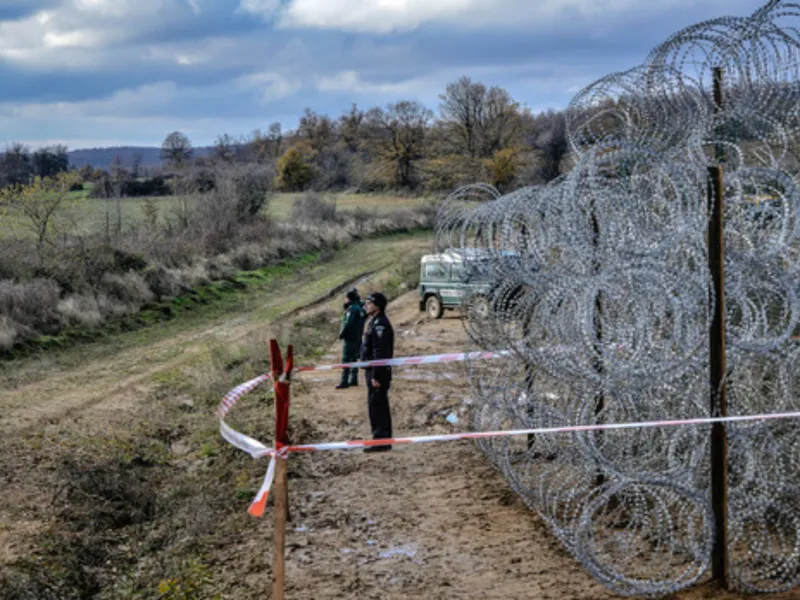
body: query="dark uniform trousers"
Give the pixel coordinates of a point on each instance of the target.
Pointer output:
(380, 415)
(351, 352)
(378, 343)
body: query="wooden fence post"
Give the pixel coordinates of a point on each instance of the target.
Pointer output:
(280, 374)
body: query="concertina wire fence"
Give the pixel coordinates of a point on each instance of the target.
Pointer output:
(600, 284)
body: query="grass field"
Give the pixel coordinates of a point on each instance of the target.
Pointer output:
(86, 215)
(281, 204)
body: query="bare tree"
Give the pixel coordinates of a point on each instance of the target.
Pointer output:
(275, 136)
(462, 109)
(176, 149)
(502, 123)
(42, 203)
(225, 148)
(479, 120)
(547, 134)
(317, 129)
(351, 128)
(16, 165)
(399, 133)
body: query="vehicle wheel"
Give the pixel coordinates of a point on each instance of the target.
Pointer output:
(434, 307)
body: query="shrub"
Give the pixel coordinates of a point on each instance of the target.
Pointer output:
(161, 281)
(8, 333)
(312, 208)
(31, 305)
(80, 309)
(130, 288)
(153, 186)
(294, 172)
(251, 187)
(248, 257)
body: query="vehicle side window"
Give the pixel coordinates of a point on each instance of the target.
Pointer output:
(458, 273)
(435, 271)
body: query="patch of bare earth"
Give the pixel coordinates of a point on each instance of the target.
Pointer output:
(156, 502)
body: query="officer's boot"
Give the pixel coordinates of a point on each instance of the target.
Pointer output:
(353, 381)
(343, 381)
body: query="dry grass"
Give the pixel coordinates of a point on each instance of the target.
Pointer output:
(90, 214)
(90, 282)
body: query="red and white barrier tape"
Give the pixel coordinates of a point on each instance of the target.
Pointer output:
(411, 360)
(257, 450)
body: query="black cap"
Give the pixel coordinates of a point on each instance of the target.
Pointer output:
(378, 300)
(352, 295)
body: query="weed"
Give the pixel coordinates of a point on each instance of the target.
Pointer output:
(190, 583)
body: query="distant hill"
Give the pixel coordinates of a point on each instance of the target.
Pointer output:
(102, 158)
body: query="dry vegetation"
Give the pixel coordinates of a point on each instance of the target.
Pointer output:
(77, 280)
(144, 502)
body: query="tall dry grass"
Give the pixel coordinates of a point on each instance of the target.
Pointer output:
(86, 281)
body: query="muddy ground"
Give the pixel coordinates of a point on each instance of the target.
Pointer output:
(428, 521)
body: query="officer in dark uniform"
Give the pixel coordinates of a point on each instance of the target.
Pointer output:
(350, 333)
(378, 343)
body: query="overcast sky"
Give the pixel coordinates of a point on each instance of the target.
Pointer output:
(89, 73)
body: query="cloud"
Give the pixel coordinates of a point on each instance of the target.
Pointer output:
(133, 70)
(272, 85)
(385, 16)
(69, 34)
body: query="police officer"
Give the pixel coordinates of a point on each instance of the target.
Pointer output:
(378, 343)
(350, 334)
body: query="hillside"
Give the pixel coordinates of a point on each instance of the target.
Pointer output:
(102, 158)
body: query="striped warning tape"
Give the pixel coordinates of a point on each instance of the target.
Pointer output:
(258, 450)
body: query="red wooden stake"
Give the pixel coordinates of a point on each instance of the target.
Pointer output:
(280, 375)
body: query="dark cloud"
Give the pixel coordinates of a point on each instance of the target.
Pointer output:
(224, 69)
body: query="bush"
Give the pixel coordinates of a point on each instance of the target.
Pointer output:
(30, 305)
(248, 257)
(312, 208)
(251, 186)
(80, 309)
(8, 333)
(153, 186)
(130, 289)
(162, 281)
(294, 171)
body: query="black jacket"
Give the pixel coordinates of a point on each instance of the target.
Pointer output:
(378, 343)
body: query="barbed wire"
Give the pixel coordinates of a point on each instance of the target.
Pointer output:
(600, 284)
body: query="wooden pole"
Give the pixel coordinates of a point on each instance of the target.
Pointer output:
(281, 386)
(717, 362)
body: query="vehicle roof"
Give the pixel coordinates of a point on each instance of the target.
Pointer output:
(457, 255)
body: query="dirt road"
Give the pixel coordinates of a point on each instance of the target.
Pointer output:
(429, 521)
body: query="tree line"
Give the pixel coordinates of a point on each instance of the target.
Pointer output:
(479, 133)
